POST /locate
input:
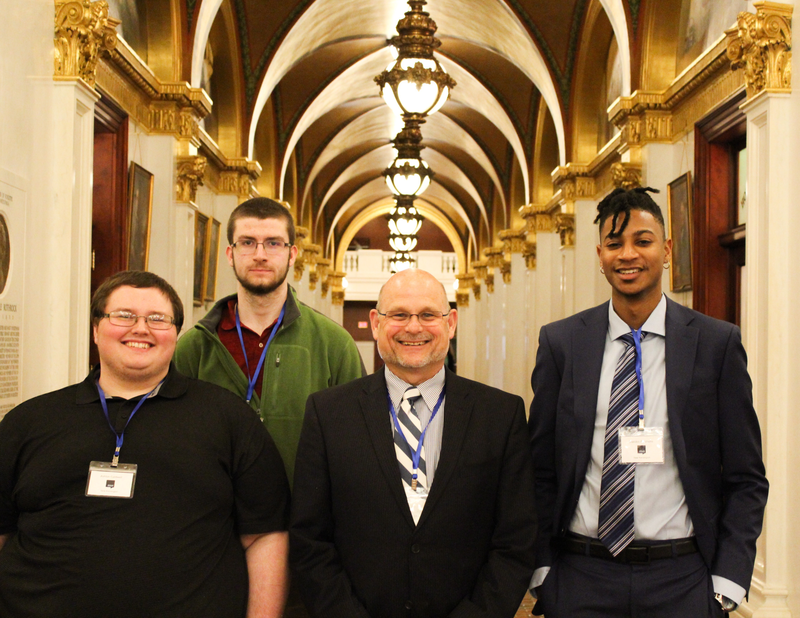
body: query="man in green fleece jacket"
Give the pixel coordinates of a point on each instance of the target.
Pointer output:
(262, 343)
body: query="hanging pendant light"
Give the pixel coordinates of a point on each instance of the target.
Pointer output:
(415, 84)
(408, 175)
(404, 220)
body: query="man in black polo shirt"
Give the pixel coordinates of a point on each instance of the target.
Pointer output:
(140, 492)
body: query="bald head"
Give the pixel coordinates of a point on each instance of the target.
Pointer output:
(413, 325)
(414, 279)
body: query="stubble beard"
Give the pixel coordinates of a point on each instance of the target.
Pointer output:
(262, 289)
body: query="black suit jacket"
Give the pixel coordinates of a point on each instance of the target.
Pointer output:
(354, 547)
(715, 433)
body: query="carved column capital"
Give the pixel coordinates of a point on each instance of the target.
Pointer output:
(300, 235)
(190, 176)
(465, 283)
(530, 255)
(480, 267)
(238, 177)
(626, 175)
(761, 44)
(513, 240)
(575, 181)
(83, 31)
(335, 280)
(565, 226)
(641, 118)
(323, 268)
(311, 254)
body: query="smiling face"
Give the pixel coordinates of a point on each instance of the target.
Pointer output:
(133, 357)
(413, 352)
(634, 260)
(261, 274)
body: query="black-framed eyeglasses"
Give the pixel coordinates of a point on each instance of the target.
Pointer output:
(426, 318)
(248, 246)
(156, 321)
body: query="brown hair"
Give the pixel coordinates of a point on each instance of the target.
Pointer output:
(261, 208)
(135, 279)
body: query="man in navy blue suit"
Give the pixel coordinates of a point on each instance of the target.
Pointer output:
(650, 486)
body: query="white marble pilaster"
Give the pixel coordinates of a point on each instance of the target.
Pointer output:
(466, 334)
(771, 339)
(496, 330)
(515, 379)
(62, 230)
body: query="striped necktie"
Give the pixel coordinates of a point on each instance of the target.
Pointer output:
(615, 523)
(405, 447)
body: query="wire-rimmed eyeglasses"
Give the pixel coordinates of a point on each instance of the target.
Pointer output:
(426, 318)
(156, 321)
(248, 246)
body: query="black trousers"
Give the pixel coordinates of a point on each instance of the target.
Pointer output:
(586, 587)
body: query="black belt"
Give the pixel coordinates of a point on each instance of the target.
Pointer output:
(635, 553)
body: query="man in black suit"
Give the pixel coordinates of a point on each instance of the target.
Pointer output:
(650, 500)
(407, 503)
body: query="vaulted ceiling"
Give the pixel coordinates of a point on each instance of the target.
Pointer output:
(292, 84)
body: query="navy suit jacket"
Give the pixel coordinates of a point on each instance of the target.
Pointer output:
(354, 547)
(715, 433)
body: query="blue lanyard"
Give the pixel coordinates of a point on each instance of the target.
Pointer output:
(637, 344)
(251, 380)
(120, 436)
(416, 455)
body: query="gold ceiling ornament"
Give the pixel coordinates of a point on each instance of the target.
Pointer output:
(761, 44)
(565, 226)
(190, 176)
(626, 175)
(83, 31)
(415, 85)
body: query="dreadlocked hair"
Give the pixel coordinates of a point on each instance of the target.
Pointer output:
(621, 202)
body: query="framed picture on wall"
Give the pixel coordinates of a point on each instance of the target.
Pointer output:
(201, 225)
(140, 207)
(679, 200)
(212, 259)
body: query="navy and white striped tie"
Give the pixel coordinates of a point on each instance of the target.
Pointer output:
(615, 523)
(412, 430)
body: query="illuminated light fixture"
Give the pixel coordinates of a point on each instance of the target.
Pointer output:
(402, 244)
(408, 175)
(404, 220)
(401, 261)
(415, 84)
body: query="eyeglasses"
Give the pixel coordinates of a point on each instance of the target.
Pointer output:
(426, 318)
(156, 321)
(249, 246)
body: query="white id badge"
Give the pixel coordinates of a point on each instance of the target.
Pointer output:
(107, 482)
(416, 501)
(641, 445)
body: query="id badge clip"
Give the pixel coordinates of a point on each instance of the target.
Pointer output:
(107, 481)
(641, 445)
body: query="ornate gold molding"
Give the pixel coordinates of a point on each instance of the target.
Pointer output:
(171, 108)
(575, 181)
(190, 176)
(323, 268)
(335, 279)
(513, 240)
(565, 226)
(505, 270)
(465, 284)
(83, 31)
(761, 44)
(311, 253)
(626, 175)
(480, 267)
(489, 281)
(300, 235)
(530, 255)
